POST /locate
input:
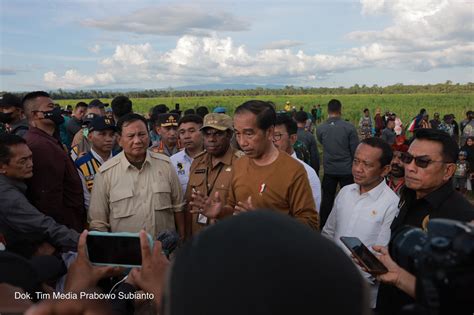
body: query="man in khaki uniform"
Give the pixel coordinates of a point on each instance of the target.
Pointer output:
(137, 189)
(212, 170)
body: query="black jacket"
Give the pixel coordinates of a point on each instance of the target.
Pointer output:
(24, 227)
(444, 203)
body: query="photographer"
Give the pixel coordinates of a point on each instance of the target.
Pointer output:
(428, 194)
(435, 269)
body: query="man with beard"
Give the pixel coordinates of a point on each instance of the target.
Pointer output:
(55, 188)
(396, 177)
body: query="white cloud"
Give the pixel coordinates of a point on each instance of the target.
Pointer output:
(170, 20)
(73, 79)
(425, 35)
(372, 6)
(94, 49)
(133, 55)
(282, 44)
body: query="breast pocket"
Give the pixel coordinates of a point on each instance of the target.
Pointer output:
(121, 203)
(161, 196)
(369, 227)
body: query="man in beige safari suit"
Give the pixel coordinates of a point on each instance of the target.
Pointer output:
(137, 189)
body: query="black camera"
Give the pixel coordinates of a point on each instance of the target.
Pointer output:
(442, 260)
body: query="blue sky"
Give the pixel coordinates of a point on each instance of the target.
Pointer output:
(91, 44)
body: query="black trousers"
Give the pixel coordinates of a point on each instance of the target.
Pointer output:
(328, 187)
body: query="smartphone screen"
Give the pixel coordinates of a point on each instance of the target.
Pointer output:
(365, 256)
(114, 250)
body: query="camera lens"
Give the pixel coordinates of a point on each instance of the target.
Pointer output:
(406, 243)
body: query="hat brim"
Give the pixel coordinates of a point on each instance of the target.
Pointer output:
(169, 124)
(113, 128)
(221, 128)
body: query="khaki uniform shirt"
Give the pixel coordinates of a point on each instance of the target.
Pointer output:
(125, 199)
(208, 177)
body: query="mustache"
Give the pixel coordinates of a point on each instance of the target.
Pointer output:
(397, 170)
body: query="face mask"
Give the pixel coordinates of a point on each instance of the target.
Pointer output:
(54, 115)
(6, 118)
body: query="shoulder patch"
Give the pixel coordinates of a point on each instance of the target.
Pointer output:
(200, 157)
(159, 156)
(109, 163)
(200, 154)
(239, 153)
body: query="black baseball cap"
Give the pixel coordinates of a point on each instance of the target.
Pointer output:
(88, 118)
(100, 123)
(8, 100)
(97, 103)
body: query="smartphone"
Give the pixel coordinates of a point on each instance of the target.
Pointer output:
(364, 255)
(115, 249)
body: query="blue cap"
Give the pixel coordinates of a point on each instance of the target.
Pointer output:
(220, 110)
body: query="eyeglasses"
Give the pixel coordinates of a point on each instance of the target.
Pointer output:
(277, 136)
(420, 161)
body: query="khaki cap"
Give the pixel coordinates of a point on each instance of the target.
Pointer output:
(217, 121)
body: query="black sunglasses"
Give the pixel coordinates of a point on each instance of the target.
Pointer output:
(420, 161)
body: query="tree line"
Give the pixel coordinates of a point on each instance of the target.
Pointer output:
(399, 88)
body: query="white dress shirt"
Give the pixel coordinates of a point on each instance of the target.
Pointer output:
(314, 181)
(182, 164)
(367, 216)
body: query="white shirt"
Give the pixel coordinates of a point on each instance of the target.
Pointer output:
(367, 216)
(313, 179)
(182, 164)
(87, 194)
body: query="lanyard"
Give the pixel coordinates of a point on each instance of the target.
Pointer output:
(397, 187)
(210, 188)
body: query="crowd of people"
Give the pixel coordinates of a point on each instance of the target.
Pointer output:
(258, 231)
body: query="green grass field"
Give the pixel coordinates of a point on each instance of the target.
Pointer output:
(405, 105)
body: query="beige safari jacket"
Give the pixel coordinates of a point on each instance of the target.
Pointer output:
(125, 199)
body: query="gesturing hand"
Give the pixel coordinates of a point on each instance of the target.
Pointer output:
(244, 206)
(210, 207)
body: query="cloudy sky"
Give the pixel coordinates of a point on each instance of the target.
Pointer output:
(92, 44)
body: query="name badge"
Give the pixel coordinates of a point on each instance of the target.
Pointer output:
(202, 219)
(201, 171)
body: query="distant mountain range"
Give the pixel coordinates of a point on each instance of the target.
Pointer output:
(217, 87)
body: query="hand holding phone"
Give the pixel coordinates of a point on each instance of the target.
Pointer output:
(82, 274)
(364, 255)
(115, 249)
